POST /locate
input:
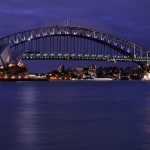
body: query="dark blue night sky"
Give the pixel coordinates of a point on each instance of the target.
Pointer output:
(129, 19)
(126, 18)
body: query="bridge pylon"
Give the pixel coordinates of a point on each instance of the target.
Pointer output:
(5, 56)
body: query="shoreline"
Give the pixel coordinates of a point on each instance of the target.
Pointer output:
(38, 80)
(11, 80)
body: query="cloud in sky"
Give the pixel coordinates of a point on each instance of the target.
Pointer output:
(129, 19)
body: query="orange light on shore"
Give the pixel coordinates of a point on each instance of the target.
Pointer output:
(21, 65)
(11, 65)
(6, 76)
(13, 77)
(1, 67)
(53, 78)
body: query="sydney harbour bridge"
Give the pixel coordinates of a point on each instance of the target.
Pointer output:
(70, 43)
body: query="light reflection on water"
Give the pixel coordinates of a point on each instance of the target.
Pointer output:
(26, 125)
(75, 115)
(145, 125)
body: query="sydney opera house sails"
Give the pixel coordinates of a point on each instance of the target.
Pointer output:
(5, 56)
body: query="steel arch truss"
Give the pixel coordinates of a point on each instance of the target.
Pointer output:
(125, 47)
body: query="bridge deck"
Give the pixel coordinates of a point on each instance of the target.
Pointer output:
(83, 57)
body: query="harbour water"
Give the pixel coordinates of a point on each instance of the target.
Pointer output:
(75, 115)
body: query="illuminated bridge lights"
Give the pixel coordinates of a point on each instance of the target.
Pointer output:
(84, 57)
(74, 43)
(81, 57)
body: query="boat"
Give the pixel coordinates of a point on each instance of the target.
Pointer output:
(102, 79)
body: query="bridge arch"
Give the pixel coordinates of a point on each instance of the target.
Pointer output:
(70, 40)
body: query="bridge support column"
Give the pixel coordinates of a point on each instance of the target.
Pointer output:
(5, 56)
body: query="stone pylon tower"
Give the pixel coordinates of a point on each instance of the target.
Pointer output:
(4, 55)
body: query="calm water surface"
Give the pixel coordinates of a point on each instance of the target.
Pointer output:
(69, 115)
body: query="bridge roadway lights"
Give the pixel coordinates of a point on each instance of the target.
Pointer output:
(111, 59)
(64, 58)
